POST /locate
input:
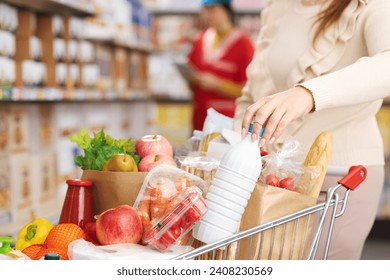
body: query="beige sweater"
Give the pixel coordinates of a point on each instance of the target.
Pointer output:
(348, 73)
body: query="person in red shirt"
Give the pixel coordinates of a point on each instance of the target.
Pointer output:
(219, 56)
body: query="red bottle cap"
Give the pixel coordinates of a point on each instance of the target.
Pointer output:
(78, 182)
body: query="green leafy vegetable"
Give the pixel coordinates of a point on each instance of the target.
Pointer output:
(100, 148)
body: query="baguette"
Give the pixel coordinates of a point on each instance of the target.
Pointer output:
(317, 161)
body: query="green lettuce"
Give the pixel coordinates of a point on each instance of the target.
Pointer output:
(100, 148)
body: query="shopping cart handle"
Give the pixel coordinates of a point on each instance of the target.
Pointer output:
(356, 175)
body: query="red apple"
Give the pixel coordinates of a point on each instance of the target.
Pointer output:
(153, 144)
(272, 180)
(150, 161)
(287, 183)
(118, 225)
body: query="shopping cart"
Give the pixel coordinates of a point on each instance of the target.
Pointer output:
(332, 208)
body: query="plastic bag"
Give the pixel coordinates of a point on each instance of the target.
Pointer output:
(212, 128)
(190, 147)
(83, 250)
(281, 169)
(203, 167)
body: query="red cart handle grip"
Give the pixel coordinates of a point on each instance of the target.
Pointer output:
(356, 175)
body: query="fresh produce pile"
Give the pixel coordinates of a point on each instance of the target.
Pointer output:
(104, 153)
(40, 237)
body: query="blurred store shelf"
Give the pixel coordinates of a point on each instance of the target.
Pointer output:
(194, 11)
(53, 95)
(79, 8)
(110, 40)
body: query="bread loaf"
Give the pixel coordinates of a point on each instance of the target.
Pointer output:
(204, 145)
(316, 164)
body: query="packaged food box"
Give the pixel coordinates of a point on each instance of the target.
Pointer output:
(170, 202)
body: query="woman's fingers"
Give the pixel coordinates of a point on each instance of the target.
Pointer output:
(249, 115)
(283, 123)
(272, 124)
(267, 117)
(274, 113)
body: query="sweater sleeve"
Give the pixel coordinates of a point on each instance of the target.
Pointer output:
(368, 78)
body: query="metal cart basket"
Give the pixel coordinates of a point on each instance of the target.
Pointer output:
(324, 213)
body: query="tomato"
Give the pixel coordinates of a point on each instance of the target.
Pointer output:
(263, 153)
(172, 217)
(287, 183)
(193, 215)
(160, 244)
(187, 200)
(185, 223)
(171, 235)
(150, 238)
(182, 183)
(177, 232)
(149, 234)
(272, 180)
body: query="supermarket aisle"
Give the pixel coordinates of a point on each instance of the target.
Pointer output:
(376, 249)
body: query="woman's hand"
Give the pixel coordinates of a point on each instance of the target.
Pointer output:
(276, 112)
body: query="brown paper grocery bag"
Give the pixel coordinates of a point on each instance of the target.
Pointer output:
(111, 189)
(289, 241)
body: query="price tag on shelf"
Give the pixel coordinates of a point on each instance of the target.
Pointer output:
(89, 95)
(79, 94)
(40, 94)
(5, 93)
(16, 94)
(71, 95)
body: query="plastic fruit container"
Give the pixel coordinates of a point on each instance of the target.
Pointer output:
(170, 202)
(175, 225)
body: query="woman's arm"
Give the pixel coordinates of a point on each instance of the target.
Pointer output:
(363, 81)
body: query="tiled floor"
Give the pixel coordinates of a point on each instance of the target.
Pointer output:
(376, 249)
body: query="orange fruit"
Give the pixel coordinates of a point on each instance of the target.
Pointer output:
(63, 252)
(33, 250)
(62, 234)
(57, 241)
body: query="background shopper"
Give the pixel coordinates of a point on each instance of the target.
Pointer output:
(220, 56)
(323, 65)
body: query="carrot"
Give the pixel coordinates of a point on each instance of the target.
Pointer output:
(172, 203)
(144, 205)
(182, 183)
(159, 204)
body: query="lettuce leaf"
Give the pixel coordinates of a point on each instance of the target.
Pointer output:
(100, 148)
